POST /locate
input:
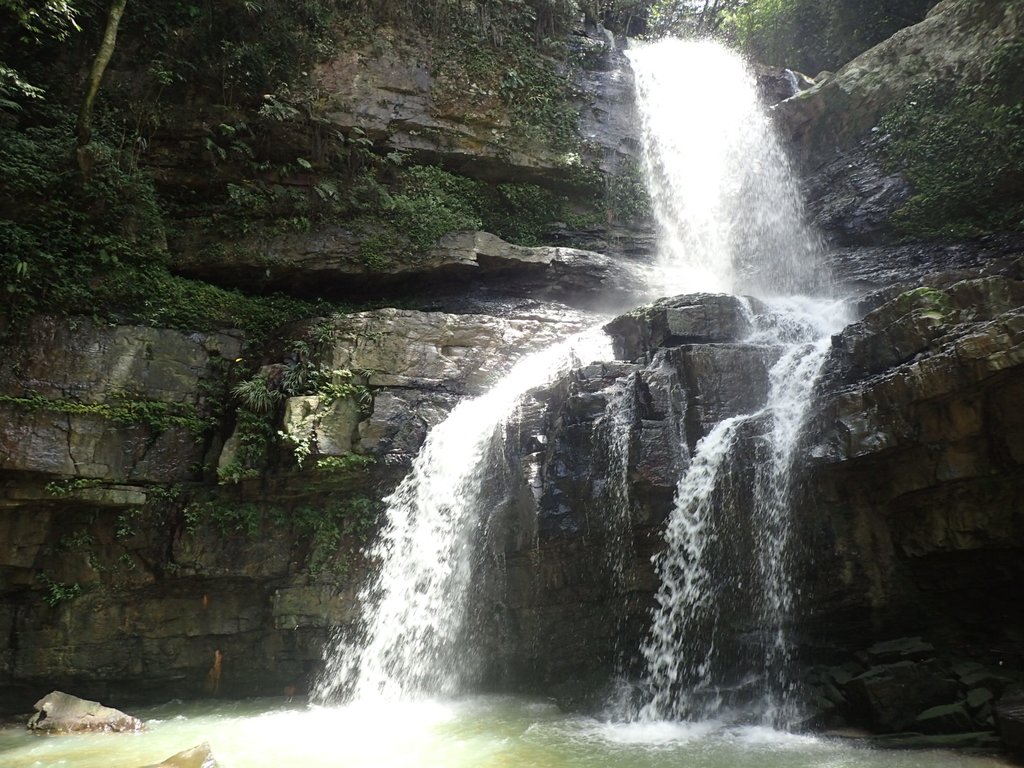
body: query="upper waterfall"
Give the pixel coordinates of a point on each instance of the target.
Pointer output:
(727, 206)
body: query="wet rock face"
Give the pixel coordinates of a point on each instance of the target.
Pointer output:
(601, 454)
(688, 319)
(915, 475)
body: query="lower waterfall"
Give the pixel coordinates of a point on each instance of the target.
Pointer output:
(729, 493)
(407, 641)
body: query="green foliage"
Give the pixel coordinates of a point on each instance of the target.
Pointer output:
(533, 89)
(349, 462)
(256, 395)
(237, 49)
(962, 148)
(64, 488)
(122, 409)
(97, 248)
(57, 592)
(58, 234)
(626, 194)
(815, 35)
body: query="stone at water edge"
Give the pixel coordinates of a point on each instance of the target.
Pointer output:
(59, 712)
(199, 756)
(1010, 723)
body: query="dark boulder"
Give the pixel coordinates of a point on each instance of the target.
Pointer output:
(698, 318)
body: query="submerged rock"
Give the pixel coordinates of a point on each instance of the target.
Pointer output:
(199, 756)
(59, 712)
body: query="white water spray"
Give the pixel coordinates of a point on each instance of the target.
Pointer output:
(726, 204)
(730, 216)
(414, 606)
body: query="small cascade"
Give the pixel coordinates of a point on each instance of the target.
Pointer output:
(408, 642)
(727, 541)
(615, 436)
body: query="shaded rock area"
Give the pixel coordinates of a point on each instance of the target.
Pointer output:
(905, 686)
(59, 712)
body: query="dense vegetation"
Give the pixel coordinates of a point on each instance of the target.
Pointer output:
(962, 148)
(101, 237)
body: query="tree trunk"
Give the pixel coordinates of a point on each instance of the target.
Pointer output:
(83, 129)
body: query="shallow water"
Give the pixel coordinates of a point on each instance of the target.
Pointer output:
(482, 732)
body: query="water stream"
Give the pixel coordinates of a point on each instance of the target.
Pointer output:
(409, 640)
(730, 217)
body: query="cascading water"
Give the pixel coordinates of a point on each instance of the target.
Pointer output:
(726, 204)
(730, 218)
(408, 640)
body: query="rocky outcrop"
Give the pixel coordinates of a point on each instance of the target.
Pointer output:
(955, 41)
(59, 712)
(328, 261)
(671, 322)
(834, 127)
(400, 91)
(120, 406)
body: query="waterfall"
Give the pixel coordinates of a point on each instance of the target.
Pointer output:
(407, 642)
(730, 218)
(727, 206)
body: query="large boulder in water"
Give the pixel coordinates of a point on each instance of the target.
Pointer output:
(59, 712)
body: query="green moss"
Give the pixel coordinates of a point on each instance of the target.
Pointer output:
(124, 409)
(962, 149)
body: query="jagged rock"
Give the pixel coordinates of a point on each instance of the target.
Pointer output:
(854, 196)
(59, 712)
(721, 380)
(903, 649)
(946, 718)
(700, 318)
(199, 756)
(1010, 723)
(890, 696)
(879, 274)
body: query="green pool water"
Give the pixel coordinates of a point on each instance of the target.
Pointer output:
(482, 732)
